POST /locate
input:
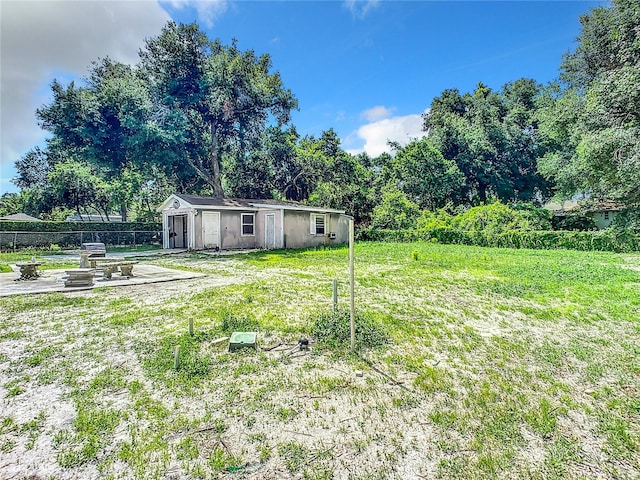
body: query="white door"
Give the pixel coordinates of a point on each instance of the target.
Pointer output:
(211, 229)
(270, 231)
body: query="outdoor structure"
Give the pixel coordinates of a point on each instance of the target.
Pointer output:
(20, 217)
(197, 223)
(603, 212)
(94, 218)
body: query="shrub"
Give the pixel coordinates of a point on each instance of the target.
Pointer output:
(21, 226)
(333, 330)
(395, 211)
(537, 217)
(573, 220)
(491, 219)
(229, 323)
(430, 220)
(609, 240)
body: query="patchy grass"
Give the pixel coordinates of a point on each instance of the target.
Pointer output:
(471, 363)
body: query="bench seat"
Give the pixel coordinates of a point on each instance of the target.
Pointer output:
(126, 268)
(79, 277)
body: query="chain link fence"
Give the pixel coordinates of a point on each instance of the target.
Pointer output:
(11, 241)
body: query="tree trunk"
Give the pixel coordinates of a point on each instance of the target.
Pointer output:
(214, 160)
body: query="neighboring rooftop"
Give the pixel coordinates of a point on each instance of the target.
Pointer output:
(20, 217)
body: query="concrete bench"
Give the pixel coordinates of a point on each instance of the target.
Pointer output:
(28, 270)
(101, 262)
(79, 277)
(125, 266)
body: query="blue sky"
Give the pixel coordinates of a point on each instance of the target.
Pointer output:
(368, 69)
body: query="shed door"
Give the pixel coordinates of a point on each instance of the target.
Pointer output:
(211, 229)
(178, 231)
(270, 231)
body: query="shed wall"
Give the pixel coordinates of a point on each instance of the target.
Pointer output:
(604, 219)
(231, 228)
(297, 231)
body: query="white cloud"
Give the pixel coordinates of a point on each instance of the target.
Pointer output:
(46, 39)
(376, 113)
(360, 8)
(396, 129)
(209, 11)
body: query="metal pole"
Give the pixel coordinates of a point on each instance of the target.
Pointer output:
(351, 286)
(335, 295)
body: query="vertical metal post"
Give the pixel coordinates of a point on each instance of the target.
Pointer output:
(351, 286)
(335, 295)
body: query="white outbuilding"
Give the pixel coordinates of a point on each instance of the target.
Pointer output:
(197, 223)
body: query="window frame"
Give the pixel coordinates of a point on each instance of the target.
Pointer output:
(243, 224)
(314, 225)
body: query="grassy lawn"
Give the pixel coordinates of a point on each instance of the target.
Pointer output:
(475, 363)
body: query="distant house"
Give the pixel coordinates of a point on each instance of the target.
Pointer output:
(196, 222)
(94, 218)
(602, 212)
(20, 217)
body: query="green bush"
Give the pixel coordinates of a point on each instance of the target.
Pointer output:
(20, 226)
(491, 220)
(431, 220)
(230, 322)
(573, 220)
(395, 211)
(609, 240)
(538, 218)
(333, 330)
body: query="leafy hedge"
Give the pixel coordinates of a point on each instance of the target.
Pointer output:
(21, 226)
(609, 240)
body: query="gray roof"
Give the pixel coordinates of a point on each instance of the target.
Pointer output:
(249, 203)
(20, 217)
(215, 201)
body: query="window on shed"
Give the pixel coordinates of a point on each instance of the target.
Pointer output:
(248, 223)
(317, 224)
(606, 215)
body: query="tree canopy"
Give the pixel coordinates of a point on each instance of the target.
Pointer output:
(196, 116)
(591, 116)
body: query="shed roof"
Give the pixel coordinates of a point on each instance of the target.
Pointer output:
(248, 204)
(20, 217)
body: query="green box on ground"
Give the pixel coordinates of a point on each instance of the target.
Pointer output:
(243, 340)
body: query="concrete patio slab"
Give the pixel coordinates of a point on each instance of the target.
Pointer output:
(53, 280)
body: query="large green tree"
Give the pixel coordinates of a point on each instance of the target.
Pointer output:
(191, 108)
(425, 176)
(104, 126)
(591, 116)
(492, 138)
(217, 98)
